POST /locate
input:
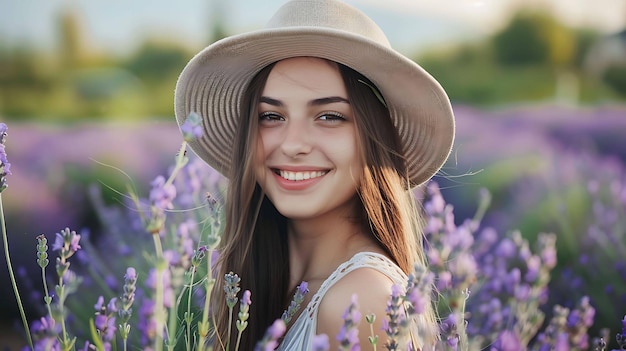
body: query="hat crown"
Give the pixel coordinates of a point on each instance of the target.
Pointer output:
(331, 14)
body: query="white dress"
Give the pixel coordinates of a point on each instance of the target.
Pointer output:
(301, 333)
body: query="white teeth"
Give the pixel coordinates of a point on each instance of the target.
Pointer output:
(301, 175)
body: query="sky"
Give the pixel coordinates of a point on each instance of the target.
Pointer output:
(119, 25)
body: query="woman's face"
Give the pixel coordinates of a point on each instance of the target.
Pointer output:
(307, 157)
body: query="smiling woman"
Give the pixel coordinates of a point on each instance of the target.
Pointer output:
(323, 130)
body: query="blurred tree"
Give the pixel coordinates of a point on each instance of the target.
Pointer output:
(615, 77)
(534, 38)
(18, 67)
(70, 37)
(154, 60)
(521, 42)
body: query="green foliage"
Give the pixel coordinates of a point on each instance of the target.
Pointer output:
(615, 77)
(43, 86)
(521, 42)
(153, 61)
(534, 38)
(484, 83)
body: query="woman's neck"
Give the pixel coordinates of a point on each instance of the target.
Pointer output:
(318, 246)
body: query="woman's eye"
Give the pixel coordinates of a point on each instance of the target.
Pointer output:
(270, 116)
(331, 116)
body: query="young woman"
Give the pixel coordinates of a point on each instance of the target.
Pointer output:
(323, 130)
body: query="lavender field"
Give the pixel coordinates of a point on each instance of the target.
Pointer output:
(551, 172)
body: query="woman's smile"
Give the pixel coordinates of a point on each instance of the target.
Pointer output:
(298, 176)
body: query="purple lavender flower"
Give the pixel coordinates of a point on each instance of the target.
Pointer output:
(244, 308)
(3, 132)
(198, 256)
(67, 241)
(112, 305)
(448, 247)
(568, 329)
(320, 343)
(449, 331)
(245, 299)
(444, 280)
(87, 346)
(418, 291)
(58, 242)
(533, 265)
(295, 303)
(395, 318)
(348, 336)
(515, 279)
(45, 332)
(162, 194)
(192, 127)
(507, 341)
(105, 320)
(105, 324)
(131, 275)
(269, 342)
(74, 243)
(99, 303)
(127, 299)
(277, 329)
(561, 343)
(231, 288)
(506, 248)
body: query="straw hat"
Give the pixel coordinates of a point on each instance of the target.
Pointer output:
(214, 81)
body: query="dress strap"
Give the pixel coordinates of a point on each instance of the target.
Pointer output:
(360, 260)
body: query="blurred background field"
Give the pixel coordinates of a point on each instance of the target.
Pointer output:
(108, 61)
(539, 89)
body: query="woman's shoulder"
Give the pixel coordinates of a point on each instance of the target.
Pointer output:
(369, 278)
(370, 285)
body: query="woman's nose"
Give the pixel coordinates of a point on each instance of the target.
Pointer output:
(296, 139)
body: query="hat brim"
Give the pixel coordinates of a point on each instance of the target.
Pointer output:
(214, 81)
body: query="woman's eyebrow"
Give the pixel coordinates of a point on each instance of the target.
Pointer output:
(314, 102)
(270, 101)
(328, 100)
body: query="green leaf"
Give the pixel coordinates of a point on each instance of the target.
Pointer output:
(95, 336)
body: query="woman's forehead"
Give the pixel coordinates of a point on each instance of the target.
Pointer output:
(295, 76)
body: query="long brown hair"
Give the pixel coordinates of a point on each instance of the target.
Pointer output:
(254, 242)
(389, 208)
